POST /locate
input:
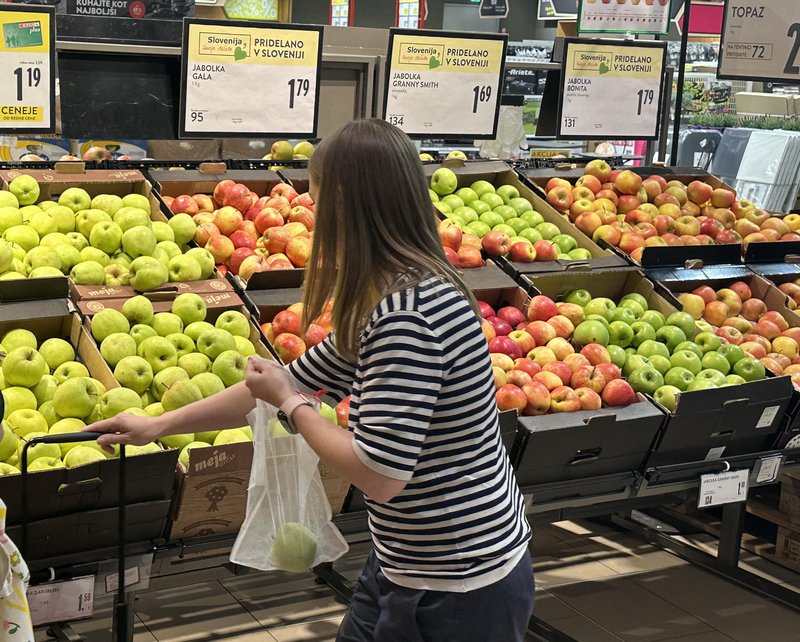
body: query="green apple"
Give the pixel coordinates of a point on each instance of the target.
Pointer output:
(98, 386)
(213, 343)
(109, 203)
(620, 333)
(154, 409)
(166, 323)
(75, 198)
(530, 235)
(183, 228)
(56, 351)
(204, 258)
(129, 217)
(70, 370)
(77, 240)
(671, 336)
(19, 338)
(25, 421)
(183, 458)
(8, 442)
(136, 200)
(625, 315)
(231, 436)
(66, 427)
(709, 374)
(590, 331)
(54, 240)
(634, 306)
(716, 361)
(478, 228)
(660, 363)
(679, 377)
(482, 187)
(159, 353)
(646, 380)
(207, 437)
(654, 318)
(147, 398)
(138, 309)
(87, 219)
(564, 242)
(748, 368)
(234, 322)
(196, 328)
(444, 181)
(183, 269)
(160, 255)
(599, 319)
(618, 355)
(635, 362)
(230, 367)
(9, 217)
(731, 352)
(642, 331)
(492, 219)
(601, 305)
(548, 230)
(139, 241)
(134, 451)
(635, 296)
(163, 231)
(25, 189)
(82, 455)
(479, 207)
(8, 469)
(147, 273)
(16, 398)
(39, 450)
(327, 412)
(22, 235)
(118, 400)
(41, 257)
(44, 271)
(244, 346)
(11, 276)
(466, 194)
(521, 205)
(208, 383)
(708, 341)
(734, 380)
(106, 236)
(180, 394)
(508, 192)
(134, 372)
(140, 332)
(120, 258)
(686, 359)
(532, 218)
(684, 321)
(49, 413)
(24, 367)
(668, 396)
(108, 322)
(444, 208)
(492, 200)
(517, 224)
(164, 379)
(117, 275)
(194, 363)
(68, 255)
(64, 218)
(177, 441)
(467, 214)
(701, 384)
(506, 211)
(171, 249)
(43, 223)
(76, 397)
(7, 199)
(45, 389)
(88, 273)
(183, 344)
(691, 346)
(651, 347)
(6, 256)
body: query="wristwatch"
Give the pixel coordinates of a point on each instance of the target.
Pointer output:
(288, 407)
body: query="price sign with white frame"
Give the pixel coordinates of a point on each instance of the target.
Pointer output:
(636, 17)
(27, 69)
(611, 89)
(760, 41)
(245, 79)
(444, 84)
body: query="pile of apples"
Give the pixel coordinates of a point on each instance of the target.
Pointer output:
(741, 319)
(246, 233)
(583, 353)
(285, 332)
(46, 391)
(497, 220)
(792, 290)
(105, 240)
(632, 213)
(283, 150)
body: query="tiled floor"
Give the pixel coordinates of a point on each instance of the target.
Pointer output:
(593, 583)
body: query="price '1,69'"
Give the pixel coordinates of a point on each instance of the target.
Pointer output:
(482, 94)
(298, 87)
(27, 77)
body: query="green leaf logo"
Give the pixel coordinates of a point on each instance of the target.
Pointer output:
(239, 54)
(604, 68)
(433, 63)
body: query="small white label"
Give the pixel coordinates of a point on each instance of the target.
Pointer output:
(715, 453)
(61, 601)
(723, 488)
(131, 578)
(768, 416)
(768, 472)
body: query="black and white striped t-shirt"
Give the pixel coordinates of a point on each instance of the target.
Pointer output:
(423, 410)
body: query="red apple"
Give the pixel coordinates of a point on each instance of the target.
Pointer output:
(560, 198)
(699, 192)
(549, 379)
(522, 252)
(564, 399)
(722, 198)
(596, 353)
(184, 204)
(538, 398)
(469, 257)
(541, 308)
(560, 369)
(589, 399)
(505, 345)
(752, 309)
(501, 327)
(509, 397)
(495, 243)
(628, 182)
(618, 393)
(486, 310)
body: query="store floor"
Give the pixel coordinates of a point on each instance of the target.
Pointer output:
(594, 583)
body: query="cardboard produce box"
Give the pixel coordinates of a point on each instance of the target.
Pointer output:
(498, 173)
(204, 179)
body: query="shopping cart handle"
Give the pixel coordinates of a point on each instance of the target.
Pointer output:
(66, 438)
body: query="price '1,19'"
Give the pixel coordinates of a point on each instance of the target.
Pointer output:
(298, 87)
(27, 76)
(482, 94)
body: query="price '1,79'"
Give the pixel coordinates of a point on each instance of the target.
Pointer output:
(27, 77)
(646, 97)
(482, 94)
(298, 87)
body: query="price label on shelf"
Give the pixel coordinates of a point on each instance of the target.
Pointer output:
(27, 64)
(61, 601)
(444, 84)
(239, 79)
(611, 89)
(760, 41)
(634, 17)
(724, 488)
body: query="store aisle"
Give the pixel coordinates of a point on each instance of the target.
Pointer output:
(594, 583)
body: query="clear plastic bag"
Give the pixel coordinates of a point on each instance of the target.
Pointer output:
(288, 525)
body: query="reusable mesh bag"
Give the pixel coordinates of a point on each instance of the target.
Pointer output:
(288, 524)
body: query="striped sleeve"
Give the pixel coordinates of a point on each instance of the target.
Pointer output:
(321, 368)
(402, 373)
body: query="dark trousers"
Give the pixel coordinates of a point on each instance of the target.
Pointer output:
(381, 611)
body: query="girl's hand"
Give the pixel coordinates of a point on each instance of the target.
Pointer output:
(130, 430)
(268, 380)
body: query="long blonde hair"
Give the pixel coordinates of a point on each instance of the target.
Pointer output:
(374, 223)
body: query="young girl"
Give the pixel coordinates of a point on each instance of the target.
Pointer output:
(450, 560)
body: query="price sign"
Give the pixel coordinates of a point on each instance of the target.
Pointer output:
(725, 488)
(611, 89)
(239, 79)
(61, 601)
(760, 41)
(638, 17)
(27, 69)
(444, 84)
